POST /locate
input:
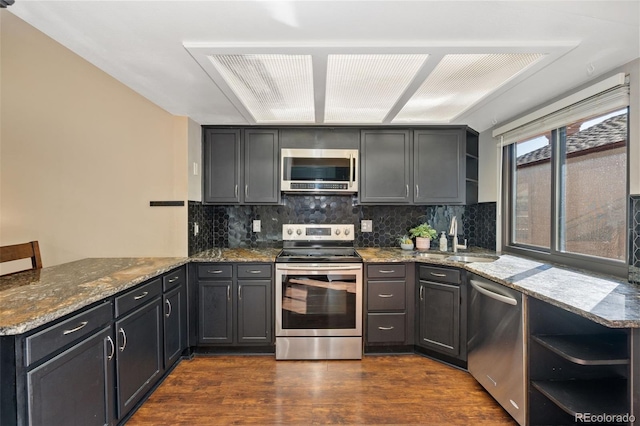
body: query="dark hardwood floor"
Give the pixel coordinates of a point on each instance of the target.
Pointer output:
(403, 389)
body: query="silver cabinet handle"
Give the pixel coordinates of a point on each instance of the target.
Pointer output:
(437, 274)
(168, 314)
(386, 271)
(246, 191)
(73, 330)
(173, 280)
(385, 328)
(239, 292)
(235, 191)
(228, 292)
(214, 271)
(124, 339)
(407, 192)
(113, 348)
(421, 292)
(385, 295)
(141, 296)
(417, 191)
(255, 271)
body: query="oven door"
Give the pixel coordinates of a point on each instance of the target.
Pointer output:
(318, 300)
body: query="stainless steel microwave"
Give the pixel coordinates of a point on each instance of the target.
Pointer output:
(319, 170)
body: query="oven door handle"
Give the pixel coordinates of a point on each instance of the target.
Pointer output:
(318, 268)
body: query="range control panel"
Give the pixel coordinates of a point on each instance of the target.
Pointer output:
(315, 232)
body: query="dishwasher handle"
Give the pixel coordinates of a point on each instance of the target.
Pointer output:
(487, 292)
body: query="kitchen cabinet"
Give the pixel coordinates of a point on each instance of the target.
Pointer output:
(139, 345)
(235, 304)
(241, 166)
(174, 302)
(73, 386)
(389, 306)
(419, 166)
(576, 367)
(442, 312)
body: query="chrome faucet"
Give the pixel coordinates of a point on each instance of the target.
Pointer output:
(453, 230)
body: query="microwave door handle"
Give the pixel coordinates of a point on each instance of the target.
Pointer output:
(350, 170)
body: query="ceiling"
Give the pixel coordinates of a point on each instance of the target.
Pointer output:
(425, 62)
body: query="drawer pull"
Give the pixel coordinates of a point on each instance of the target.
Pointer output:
(168, 314)
(113, 348)
(141, 296)
(228, 292)
(386, 296)
(386, 271)
(124, 339)
(215, 271)
(438, 275)
(385, 328)
(255, 271)
(73, 330)
(174, 279)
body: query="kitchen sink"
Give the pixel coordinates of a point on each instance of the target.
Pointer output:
(426, 255)
(469, 258)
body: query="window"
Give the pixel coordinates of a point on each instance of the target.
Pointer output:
(567, 193)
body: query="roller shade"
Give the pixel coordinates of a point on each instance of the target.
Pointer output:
(608, 95)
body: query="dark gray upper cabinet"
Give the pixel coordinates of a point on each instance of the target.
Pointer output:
(221, 166)
(385, 166)
(320, 138)
(439, 167)
(241, 166)
(419, 166)
(261, 171)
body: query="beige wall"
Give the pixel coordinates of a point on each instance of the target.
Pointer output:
(81, 156)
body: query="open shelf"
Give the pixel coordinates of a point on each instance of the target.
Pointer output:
(586, 396)
(592, 349)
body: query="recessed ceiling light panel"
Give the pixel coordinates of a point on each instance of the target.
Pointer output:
(273, 87)
(461, 80)
(363, 88)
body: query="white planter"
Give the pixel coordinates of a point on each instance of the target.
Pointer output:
(423, 243)
(406, 246)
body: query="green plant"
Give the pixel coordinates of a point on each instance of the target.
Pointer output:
(424, 230)
(405, 239)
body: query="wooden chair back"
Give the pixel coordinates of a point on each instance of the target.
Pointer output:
(22, 251)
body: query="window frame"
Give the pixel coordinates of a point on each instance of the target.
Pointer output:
(553, 254)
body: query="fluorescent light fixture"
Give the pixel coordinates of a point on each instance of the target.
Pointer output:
(272, 87)
(461, 80)
(363, 88)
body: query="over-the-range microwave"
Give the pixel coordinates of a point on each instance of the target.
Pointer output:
(319, 170)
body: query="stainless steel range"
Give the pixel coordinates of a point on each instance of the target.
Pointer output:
(318, 293)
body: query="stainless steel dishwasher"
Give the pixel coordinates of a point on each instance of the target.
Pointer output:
(496, 343)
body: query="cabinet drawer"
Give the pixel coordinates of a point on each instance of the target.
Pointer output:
(385, 328)
(440, 274)
(55, 337)
(174, 279)
(254, 271)
(214, 270)
(138, 296)
(391, 270)
(385, 295)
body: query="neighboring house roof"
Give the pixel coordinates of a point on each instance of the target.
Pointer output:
(608, 132)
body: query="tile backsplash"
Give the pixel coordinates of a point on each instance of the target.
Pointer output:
(231, 225)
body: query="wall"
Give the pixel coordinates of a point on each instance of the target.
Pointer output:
(195, 156)
(81, 156)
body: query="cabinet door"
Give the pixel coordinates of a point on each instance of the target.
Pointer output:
(222, 166)
(261, 171)
(439, 167)
(215, 323)
(440, 317)
(385, 166)
(139, 354)
(254, 311)
(175, 325)
(75, 387)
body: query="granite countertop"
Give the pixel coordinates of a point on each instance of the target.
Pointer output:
(32, 298)
(267, 254)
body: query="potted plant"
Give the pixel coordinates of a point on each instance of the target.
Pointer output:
(423, 233)
(405, 242)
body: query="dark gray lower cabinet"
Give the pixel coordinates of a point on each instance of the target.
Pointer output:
(139, 351)
(215, 319)
(254, 311)
(75, 387)
(442, 311)
(175, 324)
